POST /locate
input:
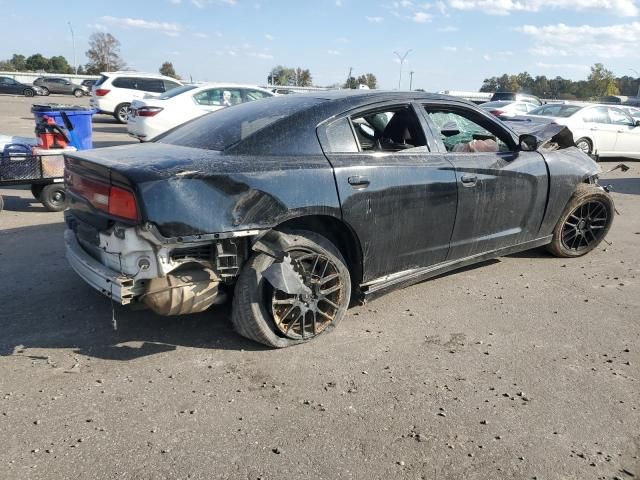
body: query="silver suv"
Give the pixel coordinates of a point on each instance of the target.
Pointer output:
(60, 85)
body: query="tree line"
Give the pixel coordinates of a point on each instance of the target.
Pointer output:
(600, 82)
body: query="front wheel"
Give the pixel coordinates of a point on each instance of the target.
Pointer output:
(28, 92)
(78, 93)
(121, 112)
(278, 319)
(54, 197)
(584, 223)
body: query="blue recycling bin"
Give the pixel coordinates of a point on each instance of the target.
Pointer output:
(80, 118)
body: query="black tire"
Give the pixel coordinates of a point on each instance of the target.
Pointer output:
(254, 301)
(36, 190)
(585, 222)
(53, 197)
(78, 93)
(45, 91)
(29, 92)
(585, 145)
(121, 113)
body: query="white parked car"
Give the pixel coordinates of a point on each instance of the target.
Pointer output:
(114, 91)
(507, 108)
(604, 130)
(150, 117)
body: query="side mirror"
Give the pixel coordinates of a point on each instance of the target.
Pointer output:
(528, 143)
(67, 83)
(450, 129)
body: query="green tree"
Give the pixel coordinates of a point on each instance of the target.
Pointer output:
(103, 53)
(303, 77)
(19, 62)
(351, 82)
(59, 64)
(601, 80)
(168, 70)
(37, 62)
(368, 79)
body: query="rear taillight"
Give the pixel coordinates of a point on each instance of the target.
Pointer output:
(148, 111)
(497, 113)
(110, 199)
(101, 92)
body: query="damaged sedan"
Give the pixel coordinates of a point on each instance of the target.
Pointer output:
(296, 207)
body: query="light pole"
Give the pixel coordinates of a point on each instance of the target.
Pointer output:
(636, 72)
(402, 58)
(73, 42)
(410, 81)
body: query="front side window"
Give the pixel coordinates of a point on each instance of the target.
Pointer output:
(391, 130)
(618, 117)
(468, 132)
(151, 85)
(125, 82)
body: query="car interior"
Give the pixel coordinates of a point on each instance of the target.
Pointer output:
(391, 131)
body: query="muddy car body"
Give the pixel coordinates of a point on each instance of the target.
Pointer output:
(297, 205)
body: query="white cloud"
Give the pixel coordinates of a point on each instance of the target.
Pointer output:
(450, 49)
(97, 26)
(268, 36)
(175, 2)
(342, 40)
(447, 29)
(200, 35)
(421, 17)
(171, 29)
(375, 19)
(333, 52)
(625, 8)
(613, 41)
(264, 56)
(338, 3)
(487, 57)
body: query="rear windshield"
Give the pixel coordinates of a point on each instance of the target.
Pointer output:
(503, 96)
(101, 80)
(555, 110)
(176, 91)
(225, 128)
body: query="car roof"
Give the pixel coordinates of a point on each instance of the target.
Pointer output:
(129, 73)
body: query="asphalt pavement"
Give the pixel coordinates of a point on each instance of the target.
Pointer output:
(519, 368)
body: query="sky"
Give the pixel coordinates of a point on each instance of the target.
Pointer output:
(451, 44)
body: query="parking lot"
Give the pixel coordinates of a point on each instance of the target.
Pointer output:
(519, 368)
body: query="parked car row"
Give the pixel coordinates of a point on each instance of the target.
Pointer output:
(44, 86)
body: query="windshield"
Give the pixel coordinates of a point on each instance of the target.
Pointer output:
(558, 110)
(176, 91)
(227, 127)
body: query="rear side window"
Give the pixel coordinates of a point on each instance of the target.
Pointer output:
(101, 80)
(154, 85)
(125, 82)
(168, 85)
(227, 127)
(255, 95)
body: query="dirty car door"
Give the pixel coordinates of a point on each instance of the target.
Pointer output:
(502, 192)
(400, 202)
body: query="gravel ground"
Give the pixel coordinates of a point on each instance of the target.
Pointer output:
(523, 367)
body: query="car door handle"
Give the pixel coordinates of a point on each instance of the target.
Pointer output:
(593, 129)
(469, 180)
(359, 181)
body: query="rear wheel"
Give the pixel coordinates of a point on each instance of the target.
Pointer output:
(584, 223)
(585, 145)
(279, 319)
(121, 112)
(54, 197)
(45, 91)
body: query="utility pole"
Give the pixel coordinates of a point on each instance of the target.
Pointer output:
(349, 77)
(73, 42)
(410, 81)
(402, 58)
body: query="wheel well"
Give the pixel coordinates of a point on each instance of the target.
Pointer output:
(339, 234)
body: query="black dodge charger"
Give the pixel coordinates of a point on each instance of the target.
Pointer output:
(297, 206)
